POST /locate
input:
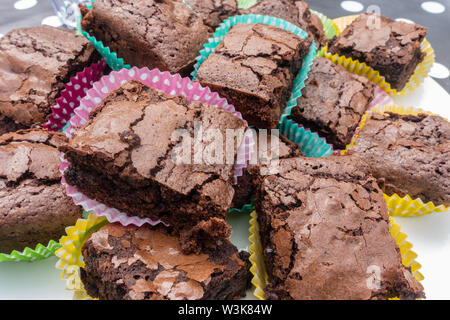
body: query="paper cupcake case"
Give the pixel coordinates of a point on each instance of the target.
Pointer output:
(170, 84)
(397, 205)
(258, 268)
(71, 95)
(226, 25)
(69, 254)
(362, 69)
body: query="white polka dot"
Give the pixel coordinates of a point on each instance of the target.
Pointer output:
(439, 71)
(404, 20)
(433, 7)
(352, 6)
(24, 4)
(52, 21)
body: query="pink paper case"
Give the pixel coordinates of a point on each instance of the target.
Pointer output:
(72, 94)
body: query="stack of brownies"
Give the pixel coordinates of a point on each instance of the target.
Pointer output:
(323, 221)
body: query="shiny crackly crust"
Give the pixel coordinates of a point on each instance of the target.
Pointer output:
(409, 154)
(134, 263)
(324, 226)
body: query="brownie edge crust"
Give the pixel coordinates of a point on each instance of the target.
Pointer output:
(131, 263)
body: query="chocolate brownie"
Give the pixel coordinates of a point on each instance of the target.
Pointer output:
(271, 147)
(8, 125)
(34, 208)
(213, 12)
(333, 102)
(410, 155)
(128, 146)
(293, 11)
(388, 46)
(324, 227)
(163, 34)
(254, 68)
(35, 63)
(131, 263)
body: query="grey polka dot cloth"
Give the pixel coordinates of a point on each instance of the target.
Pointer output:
(433, 14)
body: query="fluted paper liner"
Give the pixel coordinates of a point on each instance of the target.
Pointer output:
(225, 26)
(170, 84)
(70, 257)
(362, 69)
(258, 268)
(397, 205)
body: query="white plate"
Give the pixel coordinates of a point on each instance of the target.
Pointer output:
(430, 235)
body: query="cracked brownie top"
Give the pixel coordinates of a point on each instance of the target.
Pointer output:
(213, 12)
(293, 11)
(390, 47)
(333, 102)
(34, 65)
(409, 154)
(147, 263)
(32, 200)
(325, 228)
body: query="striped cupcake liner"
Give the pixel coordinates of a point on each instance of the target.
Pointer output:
(170, 84)
(260, 278)
(362, 69)
(397, 205)
(226, 25)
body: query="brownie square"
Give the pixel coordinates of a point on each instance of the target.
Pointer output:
(324, 228)
(163, 34)
(254, 68)
(293, 11)
(35, 63)
(131, 263)
(213, 12)
(333, 102)
(388, 46)
(271, 147)
(410, 155)
(34, 208)
(127, 146)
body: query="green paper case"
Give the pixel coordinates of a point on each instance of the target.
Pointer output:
(225, 26)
